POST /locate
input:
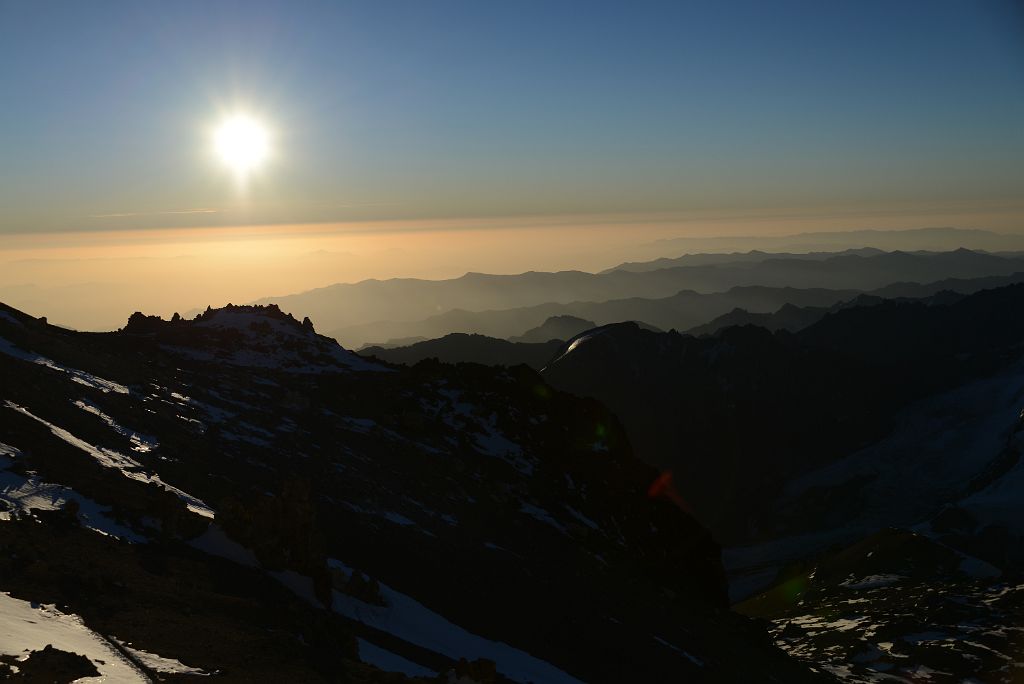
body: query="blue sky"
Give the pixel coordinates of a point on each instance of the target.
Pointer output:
(391, 109)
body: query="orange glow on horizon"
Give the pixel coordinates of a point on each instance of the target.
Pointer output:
(93, 279)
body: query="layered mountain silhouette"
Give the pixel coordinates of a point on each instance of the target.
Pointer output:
(753, 256)
(938, 239)
(672, 312)
(463, 348)
(555, 328)
(373, 312)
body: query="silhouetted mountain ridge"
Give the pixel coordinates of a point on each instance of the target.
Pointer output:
(463, 348)
(555, 328)
(682, 311)
(381, 310)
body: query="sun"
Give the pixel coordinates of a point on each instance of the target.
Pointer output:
(242, 143)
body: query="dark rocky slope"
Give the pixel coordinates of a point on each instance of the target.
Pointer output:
(460, 347)
(738, 416)
(866, 473)
(271, 505)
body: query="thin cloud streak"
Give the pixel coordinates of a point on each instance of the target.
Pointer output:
(155, 213)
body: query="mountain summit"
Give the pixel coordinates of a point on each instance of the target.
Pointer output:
(251, 336)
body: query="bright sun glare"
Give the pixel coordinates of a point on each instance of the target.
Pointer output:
(242, 143)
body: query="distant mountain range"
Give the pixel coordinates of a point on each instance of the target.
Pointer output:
(555, 328)
(794, 318)
(752, 256)
(476, 348)
(491, 351)
(911, 240)
(758, 287)
(374, 312)
(688, 311)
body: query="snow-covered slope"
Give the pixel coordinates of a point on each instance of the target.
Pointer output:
(110, 458)
(927, 465)
(27, 627)
(406, 618)
(940, 445)
(81, 377)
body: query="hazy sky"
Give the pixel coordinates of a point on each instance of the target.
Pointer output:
(408, 110)
(427, 138)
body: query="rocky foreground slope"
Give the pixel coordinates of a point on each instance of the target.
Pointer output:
(238, 496)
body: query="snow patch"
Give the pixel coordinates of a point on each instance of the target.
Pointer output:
(158, 663)
(954, 437)
(686, 654)
(215, 542)
(81, 377)
(24, 494)
(977, 568)
(573, 346)
(582, 518)
(361, 425)
(407, 619)
(26, 627)
(871, 582)
(487, 438)
(543, 516)
(110, 458)
(140, 442)
(397, 518)
(492, 443)
(390, 662)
